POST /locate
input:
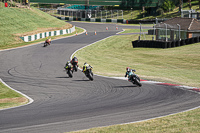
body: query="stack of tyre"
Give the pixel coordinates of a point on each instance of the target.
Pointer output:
(164, 44)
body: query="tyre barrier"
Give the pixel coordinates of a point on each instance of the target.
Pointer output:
(191, 40)
(173, 44)
(164, 44)
(182, 43)
(196, 39)
(177, 43)
(151, 44)
(169, 44)
(187, 41)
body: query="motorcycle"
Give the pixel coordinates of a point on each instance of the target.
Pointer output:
(88, 73)
(69, 70)
(47, 42)
(135, 80)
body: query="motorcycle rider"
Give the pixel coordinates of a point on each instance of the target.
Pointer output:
(68, 64)
(48, 40)
(74, 60)
(129, 73)
(85, 67)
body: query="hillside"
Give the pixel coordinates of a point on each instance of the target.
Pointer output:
(17, 22)
(139, 14)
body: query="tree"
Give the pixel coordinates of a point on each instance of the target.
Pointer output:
(199, 4)
(180, 5)
(190, 6)
(168, 5)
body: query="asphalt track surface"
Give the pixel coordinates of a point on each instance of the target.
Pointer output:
(63, 104)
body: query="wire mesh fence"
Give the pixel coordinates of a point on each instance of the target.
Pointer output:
(167, 32)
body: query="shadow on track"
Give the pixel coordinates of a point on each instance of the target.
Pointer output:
(62, 77)
(128, 86)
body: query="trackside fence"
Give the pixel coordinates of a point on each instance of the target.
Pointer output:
(164, 44)
(47, 34)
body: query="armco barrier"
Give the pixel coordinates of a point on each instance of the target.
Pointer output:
(46, 34)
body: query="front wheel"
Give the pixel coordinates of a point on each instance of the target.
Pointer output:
(70, 74)
(90, 76)
(137, 82)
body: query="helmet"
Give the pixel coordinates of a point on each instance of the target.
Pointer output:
(74, 56)
(85, 63)
(68, 62)
(128, 68)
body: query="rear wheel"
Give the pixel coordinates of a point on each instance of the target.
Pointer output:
(45, 44)
(75, 68)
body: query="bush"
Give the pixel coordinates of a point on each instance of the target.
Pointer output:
(168, 5)
(160, 11)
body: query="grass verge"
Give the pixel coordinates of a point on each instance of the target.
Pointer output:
(9, 98)
(133, 31)
(16, 22)
(78, 30)
(178, 65)
(186, 122)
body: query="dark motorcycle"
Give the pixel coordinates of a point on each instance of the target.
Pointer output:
(69, 70)
(88, 73)
(135, 80)
(47, 42)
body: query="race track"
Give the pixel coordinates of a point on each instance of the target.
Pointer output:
(63, 104)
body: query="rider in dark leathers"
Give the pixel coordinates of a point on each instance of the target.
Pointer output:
(74, 60)
(129, 73)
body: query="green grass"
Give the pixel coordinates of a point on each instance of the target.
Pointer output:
(78, 30)
(13, 98)
(16, 21)
(6, 92)
(134, 31)
(178, 65)
(187, 122)
(138, 14)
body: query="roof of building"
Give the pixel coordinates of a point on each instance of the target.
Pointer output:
(185, 23)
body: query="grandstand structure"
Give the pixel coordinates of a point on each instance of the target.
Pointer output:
(122, 3)
(90, 9)
(81, 11)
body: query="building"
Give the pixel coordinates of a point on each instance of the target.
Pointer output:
(177, 28)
